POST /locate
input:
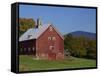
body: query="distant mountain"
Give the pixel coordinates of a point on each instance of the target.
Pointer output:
(85, 34)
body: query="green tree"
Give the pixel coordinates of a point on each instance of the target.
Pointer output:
(80, 46)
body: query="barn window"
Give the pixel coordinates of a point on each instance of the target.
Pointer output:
(49, 38)
(21, 49)
(29, 36)
(29, 49)
(53, 38)
(33, 48)
(51, 29)
(24, 49)
(51, 47)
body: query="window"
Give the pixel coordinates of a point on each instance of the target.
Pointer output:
(33, 49)
(51, 47)
(24, 49)
(29, 49)
(53, 38)
(29, 36)
(21, 49)
(51, 29)
(49, 38)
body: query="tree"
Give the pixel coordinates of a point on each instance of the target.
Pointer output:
(80, 46)
(67, 41)
(25, 24)
(91, 49)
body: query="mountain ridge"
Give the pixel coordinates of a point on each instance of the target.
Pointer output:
(89, 35)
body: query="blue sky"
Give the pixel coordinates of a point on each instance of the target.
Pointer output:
(65, 19)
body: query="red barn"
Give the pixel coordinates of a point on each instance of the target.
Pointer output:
(44, 42)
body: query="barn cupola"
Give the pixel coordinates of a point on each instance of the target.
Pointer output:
(38, 23)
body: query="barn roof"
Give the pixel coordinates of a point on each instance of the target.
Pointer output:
(33, 33)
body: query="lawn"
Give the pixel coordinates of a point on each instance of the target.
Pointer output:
(29, 63)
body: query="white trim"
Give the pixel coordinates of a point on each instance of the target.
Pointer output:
(49, 38)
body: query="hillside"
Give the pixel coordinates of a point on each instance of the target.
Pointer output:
(84, 34)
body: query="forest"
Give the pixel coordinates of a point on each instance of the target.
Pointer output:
(81, 47)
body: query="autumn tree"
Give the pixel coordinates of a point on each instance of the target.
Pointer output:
(25, 24)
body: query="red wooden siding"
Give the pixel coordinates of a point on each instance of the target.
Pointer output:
(43, 45)
(49, 45)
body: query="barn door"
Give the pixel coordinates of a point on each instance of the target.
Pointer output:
(51, 56)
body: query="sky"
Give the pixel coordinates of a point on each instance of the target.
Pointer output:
(65, 19)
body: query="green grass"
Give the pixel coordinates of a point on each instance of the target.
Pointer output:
(29, 63)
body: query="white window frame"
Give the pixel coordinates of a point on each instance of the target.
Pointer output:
(49, 38)
(53, 38)
(33, 48)
(51, 47)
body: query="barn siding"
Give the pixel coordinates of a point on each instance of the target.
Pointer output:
(26, 47)
(43, 44)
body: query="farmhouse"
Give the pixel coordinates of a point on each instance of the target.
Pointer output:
(43, 41)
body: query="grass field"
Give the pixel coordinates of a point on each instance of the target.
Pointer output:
(28, 63)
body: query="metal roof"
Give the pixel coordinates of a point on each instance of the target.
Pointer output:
(34, 33)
